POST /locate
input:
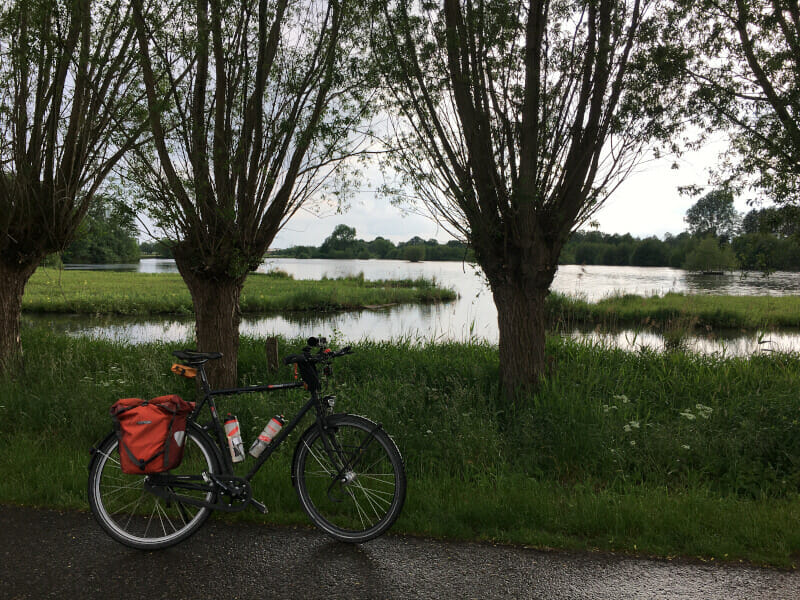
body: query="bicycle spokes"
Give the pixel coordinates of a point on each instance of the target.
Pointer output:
(351, 477)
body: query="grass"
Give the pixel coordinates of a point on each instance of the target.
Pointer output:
(700, 311)
(636, 452)
(118, 293)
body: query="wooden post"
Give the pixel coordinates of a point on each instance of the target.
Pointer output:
(271, 348)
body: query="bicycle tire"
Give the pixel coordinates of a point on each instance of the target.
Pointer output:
(358, 494)
(135, 517)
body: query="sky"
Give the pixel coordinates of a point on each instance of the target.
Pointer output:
(647, 203)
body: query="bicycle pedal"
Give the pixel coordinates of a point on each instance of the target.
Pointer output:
(259, 507)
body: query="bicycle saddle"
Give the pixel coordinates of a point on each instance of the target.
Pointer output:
(194, 356)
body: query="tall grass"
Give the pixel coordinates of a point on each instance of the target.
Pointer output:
(702, 311)
(664, 454)
(108, 292)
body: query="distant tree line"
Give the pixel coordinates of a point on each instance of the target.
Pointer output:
(717, 239)
(343, 244)
(106, 235)
(156, 249)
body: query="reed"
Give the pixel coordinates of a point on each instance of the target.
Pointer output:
(702, 311)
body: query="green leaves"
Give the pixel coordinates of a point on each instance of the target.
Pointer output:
(714, 214)
(745, 70)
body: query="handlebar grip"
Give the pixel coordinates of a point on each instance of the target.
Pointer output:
(293, 358)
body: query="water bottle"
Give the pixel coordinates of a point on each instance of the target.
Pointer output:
(267, 435)
(233, 433)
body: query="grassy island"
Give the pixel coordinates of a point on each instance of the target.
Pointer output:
(119, 293)
(639, 452)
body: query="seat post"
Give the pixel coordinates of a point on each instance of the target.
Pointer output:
(201, 372)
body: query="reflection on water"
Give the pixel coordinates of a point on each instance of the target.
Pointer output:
(384, 325)
(472, 317)
(146, 265)
(732, 343)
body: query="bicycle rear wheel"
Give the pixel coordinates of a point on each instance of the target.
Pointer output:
(135, 517)
(350, 479)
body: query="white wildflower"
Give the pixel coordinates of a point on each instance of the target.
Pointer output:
(703, 410)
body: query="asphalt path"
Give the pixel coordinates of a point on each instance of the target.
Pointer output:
(51, 554)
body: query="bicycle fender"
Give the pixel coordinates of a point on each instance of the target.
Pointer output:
(95, 448)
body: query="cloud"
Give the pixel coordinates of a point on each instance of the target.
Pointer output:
(371, 215)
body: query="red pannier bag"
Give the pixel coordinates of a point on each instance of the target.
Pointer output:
(151, 433)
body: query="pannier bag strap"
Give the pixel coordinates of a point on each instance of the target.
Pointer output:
(139, 462)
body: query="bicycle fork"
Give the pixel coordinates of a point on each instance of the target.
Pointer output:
(346, 473)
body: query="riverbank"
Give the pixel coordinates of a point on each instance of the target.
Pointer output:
(675, 311)
(125, 293)
(142, 294)
(636, 452)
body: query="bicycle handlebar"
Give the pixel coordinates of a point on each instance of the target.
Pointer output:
(321, 356)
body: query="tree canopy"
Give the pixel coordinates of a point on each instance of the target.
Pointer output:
(714, 214)
(106, 235)
(744, 61)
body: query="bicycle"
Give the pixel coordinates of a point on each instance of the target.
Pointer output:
(347, 471)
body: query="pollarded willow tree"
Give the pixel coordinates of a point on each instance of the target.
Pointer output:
(745, 67)
(68, 112)
(516, 121)
(264, 102)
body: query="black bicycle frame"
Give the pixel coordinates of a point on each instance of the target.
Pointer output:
(286, 430)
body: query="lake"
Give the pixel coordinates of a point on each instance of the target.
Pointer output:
(472, 317)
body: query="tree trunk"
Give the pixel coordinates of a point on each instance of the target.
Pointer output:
(217, 316)
(522, 322)
(12, 285)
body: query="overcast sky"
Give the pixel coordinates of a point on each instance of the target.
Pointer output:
(647, 203)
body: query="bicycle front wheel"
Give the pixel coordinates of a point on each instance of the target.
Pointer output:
(135, 517)
(350, 478)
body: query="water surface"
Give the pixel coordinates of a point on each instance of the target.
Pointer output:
(472, 317)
